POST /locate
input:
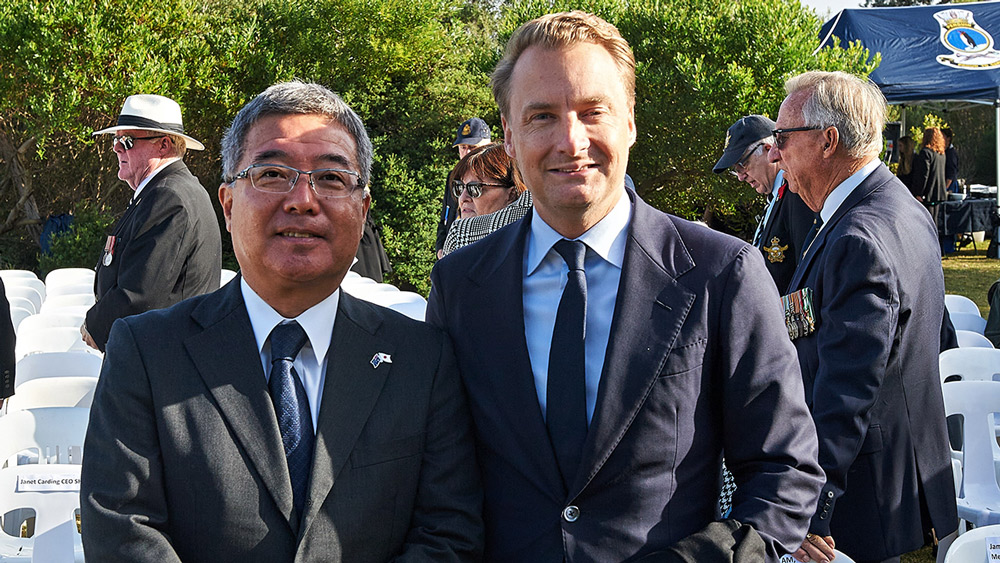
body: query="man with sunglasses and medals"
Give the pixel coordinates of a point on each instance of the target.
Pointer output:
(166, 246)
(786, 220)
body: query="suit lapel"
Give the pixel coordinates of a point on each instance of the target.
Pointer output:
(500, 274)
(350, 391)
(236, 381)
(650, 309)
(873, 182)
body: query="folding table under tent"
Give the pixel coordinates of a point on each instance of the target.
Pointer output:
(930, 54)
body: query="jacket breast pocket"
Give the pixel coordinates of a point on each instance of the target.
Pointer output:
(684, 358)
(387, 451)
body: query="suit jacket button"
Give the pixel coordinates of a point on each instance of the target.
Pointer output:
(571, 513)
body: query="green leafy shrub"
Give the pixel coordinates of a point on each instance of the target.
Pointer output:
(81, 245)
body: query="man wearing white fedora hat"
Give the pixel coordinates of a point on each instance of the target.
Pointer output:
(167, 245)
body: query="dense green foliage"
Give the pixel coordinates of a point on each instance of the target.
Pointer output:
(413, 69)
(80, 246)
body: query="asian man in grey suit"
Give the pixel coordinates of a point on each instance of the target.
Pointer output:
(604, 394)
(279, 418)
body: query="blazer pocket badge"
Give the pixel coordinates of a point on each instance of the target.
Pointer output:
(800, 316)
(381, 358)
(775, 252)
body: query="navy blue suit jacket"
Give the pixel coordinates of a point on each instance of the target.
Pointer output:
(871, 372)
(699, 362)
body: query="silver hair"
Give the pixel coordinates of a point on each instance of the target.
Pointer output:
(292, 98)
(855, 106)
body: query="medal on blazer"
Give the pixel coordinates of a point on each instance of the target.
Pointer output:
(109, 251)
(776, 252)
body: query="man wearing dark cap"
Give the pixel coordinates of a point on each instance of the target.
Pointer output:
(472, 133)
(167, 246)
(786, 220)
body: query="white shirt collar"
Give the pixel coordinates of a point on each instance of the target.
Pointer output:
(148, 178)
(840, 193)
(317, 320)
(606, 238)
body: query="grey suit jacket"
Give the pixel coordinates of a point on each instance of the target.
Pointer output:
(699, 362)
(183, 458)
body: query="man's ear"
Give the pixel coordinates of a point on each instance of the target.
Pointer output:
(508, 144)
(226, 199)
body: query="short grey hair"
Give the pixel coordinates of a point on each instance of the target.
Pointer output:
(294, 98)
(855, 106)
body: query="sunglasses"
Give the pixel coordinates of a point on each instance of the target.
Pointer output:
(128, 141)
(781, 135)
(741, 164)
(475, 188)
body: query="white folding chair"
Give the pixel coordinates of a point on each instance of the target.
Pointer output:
(22, 303)
(56, 302)
(33, 283)
(968, 321)
(976, 401)
(970, 547)
(42, 321)
(72, 289)
(969, 339)
(47, 517)
(59, 391)
(15, 274)
(59, 339)
(969, 364)
(960, 304)
(57, 364)
(39, 448)
(72, 276)
(18, 315)
(25, 292)
(226, 277)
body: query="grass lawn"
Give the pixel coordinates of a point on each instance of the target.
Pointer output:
(969, 274)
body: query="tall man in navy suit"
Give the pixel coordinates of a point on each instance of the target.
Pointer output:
(604, 395)
(870, 367)
(786, 220)
(279, 418)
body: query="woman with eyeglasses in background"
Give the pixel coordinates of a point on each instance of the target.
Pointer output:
(490, 195)
(484, 181)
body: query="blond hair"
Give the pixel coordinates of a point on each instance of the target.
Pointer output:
(557, 31)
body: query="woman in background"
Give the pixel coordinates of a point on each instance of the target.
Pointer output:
(927, 183)
(490, 195)
(905, 170)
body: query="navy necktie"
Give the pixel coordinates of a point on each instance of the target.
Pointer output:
(292, 408)
(817, 224)
(566, 389)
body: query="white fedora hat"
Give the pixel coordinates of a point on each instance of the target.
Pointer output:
(149, 112)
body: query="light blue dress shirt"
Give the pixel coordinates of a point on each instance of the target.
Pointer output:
(544, 279)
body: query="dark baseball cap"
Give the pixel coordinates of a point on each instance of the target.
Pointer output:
(472, 132)
(741, 135)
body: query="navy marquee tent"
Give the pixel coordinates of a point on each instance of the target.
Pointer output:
(943, 53)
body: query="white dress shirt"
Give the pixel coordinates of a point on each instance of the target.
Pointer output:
(840, 193)
(772, 201)
(311, 362)
(546, 276)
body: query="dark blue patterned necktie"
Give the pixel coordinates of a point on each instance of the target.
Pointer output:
(292, 408)
(566, 389)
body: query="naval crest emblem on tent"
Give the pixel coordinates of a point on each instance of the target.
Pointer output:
(971, 45)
